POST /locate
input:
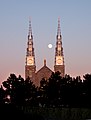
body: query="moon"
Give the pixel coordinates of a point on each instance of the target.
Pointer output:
(49, 45)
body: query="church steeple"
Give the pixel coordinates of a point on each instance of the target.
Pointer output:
(30, 36)
(30, 48)
(58, 30)
(59, 48)
(30, 67)
(59, 57)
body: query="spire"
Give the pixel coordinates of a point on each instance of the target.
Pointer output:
(30, 48)
(59, 57)
(59, 48)
(58, 30)
(30, 30)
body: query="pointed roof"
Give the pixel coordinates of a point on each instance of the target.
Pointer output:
(44, 67)
(30, 29)
(59, 29)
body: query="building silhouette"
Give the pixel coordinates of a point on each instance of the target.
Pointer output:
(44, 72)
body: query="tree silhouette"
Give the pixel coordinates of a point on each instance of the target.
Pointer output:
(30, 93)
(87, 89)
(20, 91)
(53, 89)
(57, 91)
(42, 92)
(2, 96)
(14, 88)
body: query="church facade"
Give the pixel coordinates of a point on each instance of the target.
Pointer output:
(45, 71)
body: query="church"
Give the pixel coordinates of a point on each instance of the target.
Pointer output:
(45, 71)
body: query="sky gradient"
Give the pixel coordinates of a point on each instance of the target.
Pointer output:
(75, 16)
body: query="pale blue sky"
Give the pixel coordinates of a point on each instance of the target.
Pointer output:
(75, 23)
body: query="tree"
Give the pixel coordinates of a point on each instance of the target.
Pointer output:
(2, 95)
(14, 89)
(53, 89)
(87, 89)
(30, 93)
(42, 92)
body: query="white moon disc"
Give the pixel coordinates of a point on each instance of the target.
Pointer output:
(49, 45)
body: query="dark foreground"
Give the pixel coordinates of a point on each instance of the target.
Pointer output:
(28, 113)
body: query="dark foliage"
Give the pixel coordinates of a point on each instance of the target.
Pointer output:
(57, 91)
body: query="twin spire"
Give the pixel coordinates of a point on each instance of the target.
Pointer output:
(59, 49)
(30, 56)
(58, 30)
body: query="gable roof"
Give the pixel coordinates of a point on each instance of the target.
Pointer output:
(44, 68)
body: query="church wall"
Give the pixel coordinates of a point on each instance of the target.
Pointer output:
(45, 72)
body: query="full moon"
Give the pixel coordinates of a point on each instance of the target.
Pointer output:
(49, 45)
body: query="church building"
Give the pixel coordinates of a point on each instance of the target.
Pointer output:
(45, 71)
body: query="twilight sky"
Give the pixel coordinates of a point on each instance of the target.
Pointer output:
(75, 23)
